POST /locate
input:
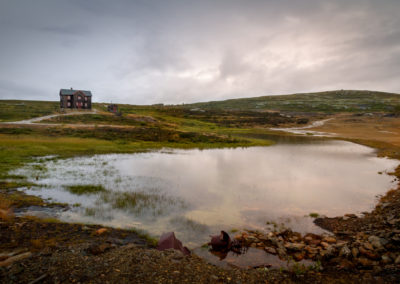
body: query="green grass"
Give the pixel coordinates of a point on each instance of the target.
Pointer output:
(85, 189)
(13, 110)
(100, 119)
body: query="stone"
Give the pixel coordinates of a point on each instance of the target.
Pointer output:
(294, 246)
(325, 245)
(397, 260)
(315, 242)
(97, 249)
(368, 246)
(330, 252)
(394, 221)
(376, 241)
(329, 240)
(311, 250)
(251, 238)
(101, 231)
(370, 254)
(238, 237)
(270, 250)
(169, 241)
(298, 256)
(365, 262)
(345, 264)
(308, 239)
(354, 252)
(344, 251)
(386, 259)
(274, 241)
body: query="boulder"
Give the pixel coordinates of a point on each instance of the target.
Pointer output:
(222, 242)
(168, 241)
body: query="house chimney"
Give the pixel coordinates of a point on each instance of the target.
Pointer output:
(71, 88)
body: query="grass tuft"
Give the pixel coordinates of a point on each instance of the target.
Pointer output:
(85, 189)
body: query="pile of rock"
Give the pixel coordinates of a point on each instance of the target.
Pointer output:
(360, 251)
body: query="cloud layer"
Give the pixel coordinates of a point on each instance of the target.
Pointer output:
(175, 51)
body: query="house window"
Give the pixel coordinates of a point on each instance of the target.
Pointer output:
(85, 104)
(79, 98)
(69, 97)
(69, 104)
(85, 99)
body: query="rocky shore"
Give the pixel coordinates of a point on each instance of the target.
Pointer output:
(33, 251)
(366, 244)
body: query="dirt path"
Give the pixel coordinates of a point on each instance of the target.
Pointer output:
(306, 130)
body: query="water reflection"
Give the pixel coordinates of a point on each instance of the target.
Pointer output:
(195, 192)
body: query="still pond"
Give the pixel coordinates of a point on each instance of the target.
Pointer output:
(200, 192)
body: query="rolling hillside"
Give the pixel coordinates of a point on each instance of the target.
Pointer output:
(332, 101)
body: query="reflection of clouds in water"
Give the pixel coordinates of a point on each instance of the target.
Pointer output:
(221, 188)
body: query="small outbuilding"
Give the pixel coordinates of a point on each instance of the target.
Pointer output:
(75, 99)
(112, 108)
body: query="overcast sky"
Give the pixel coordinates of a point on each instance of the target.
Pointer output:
(181, 51)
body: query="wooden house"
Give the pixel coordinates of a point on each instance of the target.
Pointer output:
(75, 99)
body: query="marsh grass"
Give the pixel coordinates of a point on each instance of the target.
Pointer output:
(143, 202)
(85, 189)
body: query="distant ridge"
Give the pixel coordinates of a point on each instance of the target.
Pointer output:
(330, 101)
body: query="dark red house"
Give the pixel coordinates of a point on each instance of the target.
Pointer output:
(75, 99)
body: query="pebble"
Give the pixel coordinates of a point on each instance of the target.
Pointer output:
(101, 231)
(330, 240)
(344, 251)
(368, 246)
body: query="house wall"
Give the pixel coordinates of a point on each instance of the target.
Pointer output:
(77, 100)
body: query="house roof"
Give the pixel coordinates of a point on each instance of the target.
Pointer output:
(65, 92)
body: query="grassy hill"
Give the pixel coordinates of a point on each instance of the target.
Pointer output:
(332, 101)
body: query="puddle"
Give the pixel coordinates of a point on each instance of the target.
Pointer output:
(250, 258)
(200, 192)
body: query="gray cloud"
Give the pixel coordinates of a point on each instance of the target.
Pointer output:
(185, 51)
